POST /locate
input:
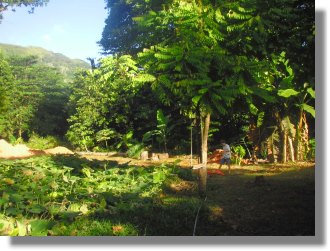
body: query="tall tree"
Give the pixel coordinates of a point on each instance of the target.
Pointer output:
(121, 34)
(103, 101)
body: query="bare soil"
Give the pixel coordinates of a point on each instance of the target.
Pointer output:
(21, 151)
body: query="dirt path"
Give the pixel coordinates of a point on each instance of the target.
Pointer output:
(183, 161)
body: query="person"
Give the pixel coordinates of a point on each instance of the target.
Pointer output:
(226, 155)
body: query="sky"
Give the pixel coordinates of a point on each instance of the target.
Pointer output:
(70, 27)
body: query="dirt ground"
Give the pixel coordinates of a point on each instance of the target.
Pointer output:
(21, 151)
(185, 161)
(8, 151)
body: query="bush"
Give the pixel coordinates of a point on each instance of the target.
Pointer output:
(42, 143)
(135, 150)
(239, 153)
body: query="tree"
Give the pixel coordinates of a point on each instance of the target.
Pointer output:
(192, 66)
(209, 56)
(12, 4)
(121, 34)
(103, 101)
(6, 82)
(286, 32)
(37, 98)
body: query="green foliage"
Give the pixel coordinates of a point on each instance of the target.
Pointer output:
(126, 141)
(239, 152)
(6, 81)
(163, 130)
(53, 195)
(106, 104)
(70, 196)
(42, 143)
(37, 96)
(135, 150)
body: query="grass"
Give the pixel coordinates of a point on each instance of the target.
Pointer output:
(70, 195)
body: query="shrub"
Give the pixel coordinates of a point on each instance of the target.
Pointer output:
(42, 143)
(239, 153)
(135, 150)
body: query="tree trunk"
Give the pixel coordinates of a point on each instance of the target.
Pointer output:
(298, 148)
(291, 148)
(204, 137)
(284, 146)
(271, 154)
(20, 133)
(305, 137)
(301, 142)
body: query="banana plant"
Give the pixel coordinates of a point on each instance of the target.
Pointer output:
(163, 130)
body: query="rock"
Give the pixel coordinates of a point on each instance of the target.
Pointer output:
(159, 156)
(144, 155)
(154, 157)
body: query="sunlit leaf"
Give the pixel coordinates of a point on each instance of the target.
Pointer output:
(309, 109)
(287, 93)
(40, 227)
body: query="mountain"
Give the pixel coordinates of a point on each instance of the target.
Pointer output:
(65, 65)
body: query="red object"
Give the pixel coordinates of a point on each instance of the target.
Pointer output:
(215, 172)
(215, 156)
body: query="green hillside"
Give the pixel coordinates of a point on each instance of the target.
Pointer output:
(66, 65)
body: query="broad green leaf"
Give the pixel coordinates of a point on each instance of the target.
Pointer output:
(309, 109)
(74, 207)
(311, 92)
(15, 232)
(36, 209)
(158, 177)
(161, 119)
(13, 211)
(40, 227)
(84, 209)
(21, 228)
(196, 99)
(287, 93)
(147, 136)
(144, 78)
(253, 109)
(65, 178)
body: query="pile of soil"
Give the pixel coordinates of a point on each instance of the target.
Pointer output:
(8, 151)
(59, 150)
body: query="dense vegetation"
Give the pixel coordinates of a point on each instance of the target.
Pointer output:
(176, 76)
(242, 71)
(35, 94)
